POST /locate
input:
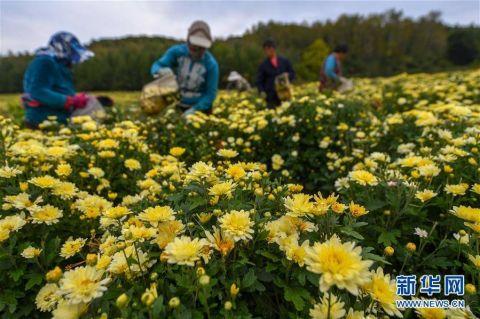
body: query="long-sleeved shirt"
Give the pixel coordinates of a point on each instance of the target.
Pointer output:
(266, 75)
(47, 83)
(332, 68)
(197, 79)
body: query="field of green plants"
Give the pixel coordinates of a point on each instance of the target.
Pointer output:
(310, 210)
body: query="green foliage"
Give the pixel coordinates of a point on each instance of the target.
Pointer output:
(312, 60)
(463, 46)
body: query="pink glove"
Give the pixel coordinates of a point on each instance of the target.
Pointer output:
(78, 101)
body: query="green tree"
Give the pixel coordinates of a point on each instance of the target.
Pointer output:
(462, 47)
(312, 60)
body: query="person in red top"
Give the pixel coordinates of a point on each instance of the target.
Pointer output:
(271, 67)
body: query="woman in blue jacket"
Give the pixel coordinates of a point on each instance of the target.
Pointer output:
(195, 67)
(331, 72)
(48, 82)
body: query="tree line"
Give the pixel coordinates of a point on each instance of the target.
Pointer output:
(380, 45)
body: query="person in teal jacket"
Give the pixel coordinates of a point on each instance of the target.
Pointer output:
(331, 71)
(195, 67)
(48, 81)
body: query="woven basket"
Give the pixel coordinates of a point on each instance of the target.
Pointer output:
(159, 94)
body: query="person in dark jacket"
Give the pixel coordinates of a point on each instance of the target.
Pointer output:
(271, 67)
(48, 82)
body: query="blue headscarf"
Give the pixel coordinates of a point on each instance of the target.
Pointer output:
(65, 47)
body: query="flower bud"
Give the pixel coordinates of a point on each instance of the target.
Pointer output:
(174, 302)
(228, 305)
(148, 298)
(204, 280)
(234, 290)
(122, 300)
(54, 275)
(91, 259)
(389, 251)
(470, 289)
(200, 271)
(411, 247)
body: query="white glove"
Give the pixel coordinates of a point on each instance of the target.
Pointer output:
(163, 72)
(189, 112)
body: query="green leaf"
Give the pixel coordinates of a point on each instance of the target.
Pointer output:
(158, 306)
(35, 279)
(376, 258)
(249, 279)
(352, 233)
(389, 237)
(16, 274)
(297, 295)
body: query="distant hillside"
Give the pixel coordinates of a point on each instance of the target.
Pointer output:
(380, 44)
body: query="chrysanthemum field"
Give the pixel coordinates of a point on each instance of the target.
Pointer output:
(311, 210)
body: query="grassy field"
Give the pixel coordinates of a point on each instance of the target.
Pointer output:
(10, 103)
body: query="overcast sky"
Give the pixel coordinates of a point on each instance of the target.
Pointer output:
(27, 25)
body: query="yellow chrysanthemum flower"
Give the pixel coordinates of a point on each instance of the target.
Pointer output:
(12, 223)
(96, 172)
(475, 260)
(429, 171)
(157, 214)
(383, 290)
(46, 181)
(222, 189)
(277, 162)
(31, 252)
(177, 151)
(236, 172)
(107, 143)
(339, 264)
(467, 213)
(47, 297)
(185, 251)
(431, 313)
(167, 231)
(65, 190)
(237, 225)
(116, 212)
(71, 247)
(355, 314)
(92, 206)
(9, 172)
(357, 210)
(63, 170)
(299, 205)
(66, 310)
(132, 164)
(224, 244)
(82, 284)
(425, 195)
(476, 188)
(334, 307)
(227, 153)
(363, 177)
(456, 189)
